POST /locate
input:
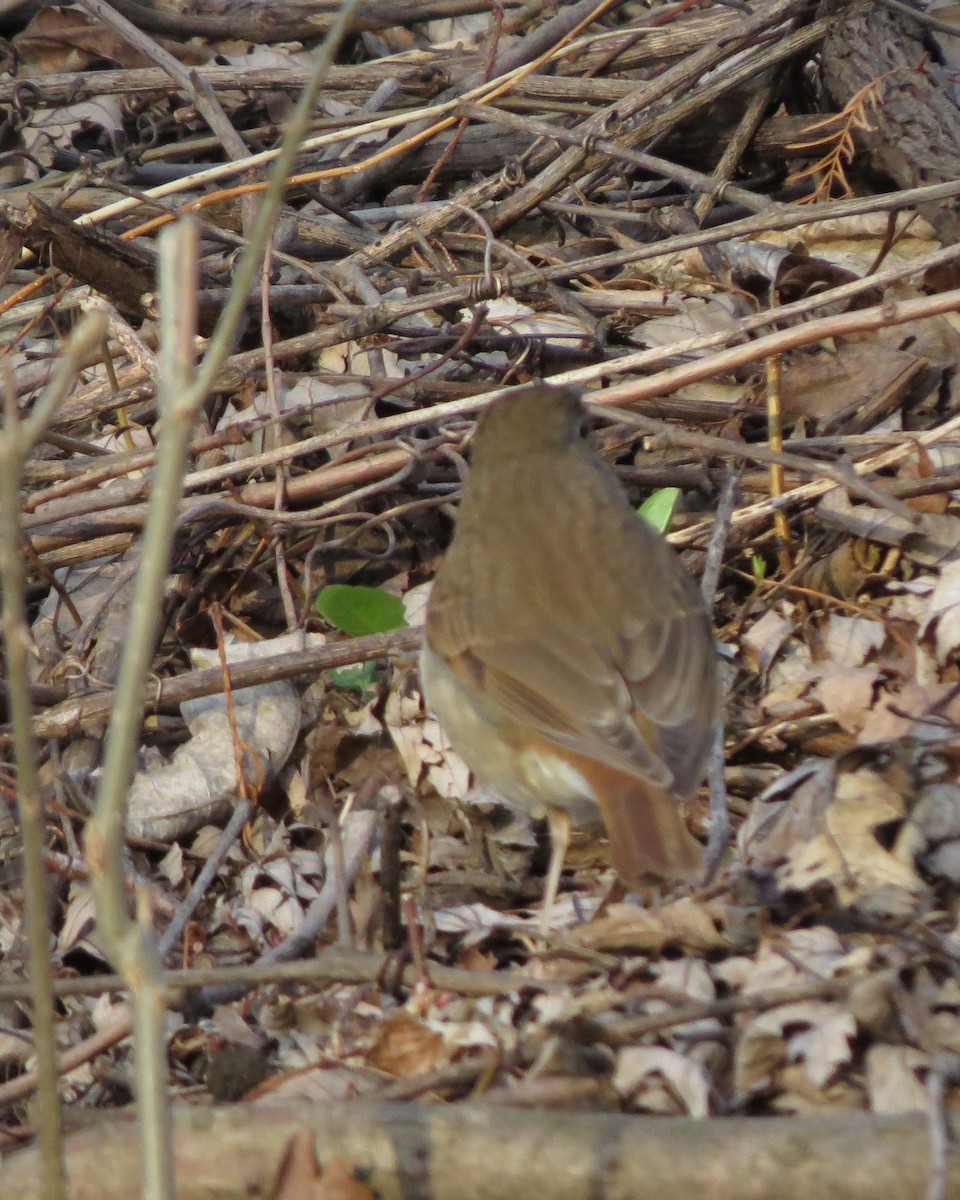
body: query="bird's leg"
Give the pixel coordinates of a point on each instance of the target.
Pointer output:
(558, 822)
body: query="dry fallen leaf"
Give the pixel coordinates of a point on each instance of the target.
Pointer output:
(686, 922)
(893, 1083)
(687, 1085)
(300, 1178)
(829, 835)
(405, 1045)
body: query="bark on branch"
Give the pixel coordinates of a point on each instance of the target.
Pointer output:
(478, 1152)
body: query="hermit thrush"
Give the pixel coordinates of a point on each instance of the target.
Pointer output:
(568, 654)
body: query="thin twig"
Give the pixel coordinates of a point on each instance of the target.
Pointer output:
(357, 836)
(205, 876)
(17, 438)
(718, 832)
(181, 391)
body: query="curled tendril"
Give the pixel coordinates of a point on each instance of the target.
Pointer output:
(513, 174)
(18, 101)
(484, 288)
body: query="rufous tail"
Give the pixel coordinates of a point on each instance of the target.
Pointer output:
(648, 835)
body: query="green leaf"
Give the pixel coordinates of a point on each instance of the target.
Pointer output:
(360, 610)
(361, 678)
(759, 567)
(658, 508)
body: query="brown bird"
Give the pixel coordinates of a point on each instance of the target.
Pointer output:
(567, 653)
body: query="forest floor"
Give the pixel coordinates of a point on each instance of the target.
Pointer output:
(738, 225)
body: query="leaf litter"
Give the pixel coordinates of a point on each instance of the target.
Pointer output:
(819, 970)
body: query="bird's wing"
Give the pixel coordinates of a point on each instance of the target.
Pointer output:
(569, 691)
(575, 702)
(619, 666)
(669, 667)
